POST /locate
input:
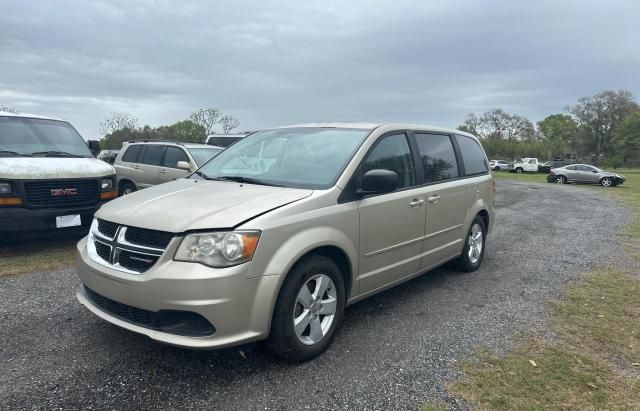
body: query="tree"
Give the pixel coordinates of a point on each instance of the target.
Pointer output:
(206, 118)
(186, 131)
(628, 138)
(600, 115)
(228, 123)
(559, 132)
(8, 109)
(116, 121)
(498, 124)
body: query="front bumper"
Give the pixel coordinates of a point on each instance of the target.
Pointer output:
(21, 220)
(239, 308)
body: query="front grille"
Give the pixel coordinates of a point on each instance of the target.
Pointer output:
(170, 321)
(103, 250)
(148, 238)
(107, 228)
(70, 193)
(136, 261)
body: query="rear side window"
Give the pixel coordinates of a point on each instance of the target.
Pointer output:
(152, 155)
(131, 156)
(173, 155)
(473, 157)
(392, 153)
(438, 158)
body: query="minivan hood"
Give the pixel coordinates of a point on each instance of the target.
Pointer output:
(190, 204)
(40, 168)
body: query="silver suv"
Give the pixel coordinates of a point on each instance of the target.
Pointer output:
(142, 164)
(273, 237)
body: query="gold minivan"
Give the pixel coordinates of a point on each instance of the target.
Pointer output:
(272, 238)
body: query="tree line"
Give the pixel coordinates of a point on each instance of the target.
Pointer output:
(119, 127)
(600, 129)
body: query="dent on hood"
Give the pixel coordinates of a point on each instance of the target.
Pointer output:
(47, 168)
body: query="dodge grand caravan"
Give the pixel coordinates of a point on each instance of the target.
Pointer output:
(49, 180)
(272, 238)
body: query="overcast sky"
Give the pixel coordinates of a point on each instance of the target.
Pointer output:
(273, 63)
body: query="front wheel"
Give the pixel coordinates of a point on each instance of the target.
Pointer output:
(126, 189)
(473, 251)
(309, 310)
(561, 180)
(496, 169)
(519, 170)
(606, 182)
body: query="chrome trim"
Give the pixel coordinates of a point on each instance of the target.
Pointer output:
(122, 240)
(412, 241)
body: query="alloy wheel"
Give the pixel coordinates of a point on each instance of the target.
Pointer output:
(607, 182)
(475, 243)
(315, 309)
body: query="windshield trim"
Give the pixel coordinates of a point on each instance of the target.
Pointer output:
(287, 184)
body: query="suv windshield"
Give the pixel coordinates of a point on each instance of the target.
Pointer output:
(290, 157)
(36, 137)
(202, 155)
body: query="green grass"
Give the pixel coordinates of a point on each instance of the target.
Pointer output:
(532, 177)
(597, 348)
(41, 255)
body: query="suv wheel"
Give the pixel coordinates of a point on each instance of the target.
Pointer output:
(309, 310)
(126, 188)
(473, 251)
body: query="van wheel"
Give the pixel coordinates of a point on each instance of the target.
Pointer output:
(473, 251)
(308, 311)
(126, 188)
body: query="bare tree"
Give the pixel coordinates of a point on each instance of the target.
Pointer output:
(498, 124)
(116, 121)
(228, 123)
(8, 109)
(600, 115)
(206, 118)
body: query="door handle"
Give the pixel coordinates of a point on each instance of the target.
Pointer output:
(137, 167)
(434, 199)
(416, 203)
(163, 171)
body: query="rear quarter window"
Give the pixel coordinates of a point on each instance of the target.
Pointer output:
(473, 158)
(131, 155)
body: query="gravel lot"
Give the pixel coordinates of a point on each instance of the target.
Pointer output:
(396, 349)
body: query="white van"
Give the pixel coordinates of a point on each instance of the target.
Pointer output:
(49, 179)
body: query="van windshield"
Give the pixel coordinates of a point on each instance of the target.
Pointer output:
(40, 138)
(290, 157)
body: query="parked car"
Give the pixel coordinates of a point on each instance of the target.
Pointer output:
(108, 156)
(142, 164)
(525, 165)
(498, 165)
(547, 166)
(584, 173)
(273, 237)
(49, 180)
(224, 140)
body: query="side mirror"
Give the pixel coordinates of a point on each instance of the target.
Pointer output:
(378, 181)
(183, 165)
(593, 171)
(94, 147)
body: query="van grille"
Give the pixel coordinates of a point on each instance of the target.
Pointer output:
(62, 193)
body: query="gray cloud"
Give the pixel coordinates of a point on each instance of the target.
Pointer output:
(278, 62)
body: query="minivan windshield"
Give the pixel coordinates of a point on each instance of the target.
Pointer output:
(21, 136)
(306, 157)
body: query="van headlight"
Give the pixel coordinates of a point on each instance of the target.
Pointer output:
(218, 249)
(107, 184)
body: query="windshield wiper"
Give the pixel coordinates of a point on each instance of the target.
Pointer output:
(54, 153)
(248, 180)
(13, 153)
(201, 174)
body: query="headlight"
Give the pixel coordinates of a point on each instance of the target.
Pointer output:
(219, 249)
(5, 188)
(107, 184)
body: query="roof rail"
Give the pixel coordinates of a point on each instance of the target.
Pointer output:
(156, 141)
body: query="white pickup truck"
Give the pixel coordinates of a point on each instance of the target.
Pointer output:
(525, 165)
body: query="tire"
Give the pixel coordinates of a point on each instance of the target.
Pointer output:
(126, 188)
(606, 182)
(561, 180)
(497, 169)
(473, 250)
(317, 331)
(519, 170)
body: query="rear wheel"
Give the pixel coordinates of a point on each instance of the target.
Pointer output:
(519, 170)
(473, 251)
(309, 310)
(497, 168)
(126, 188)
(606, 182)
(561, 180)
